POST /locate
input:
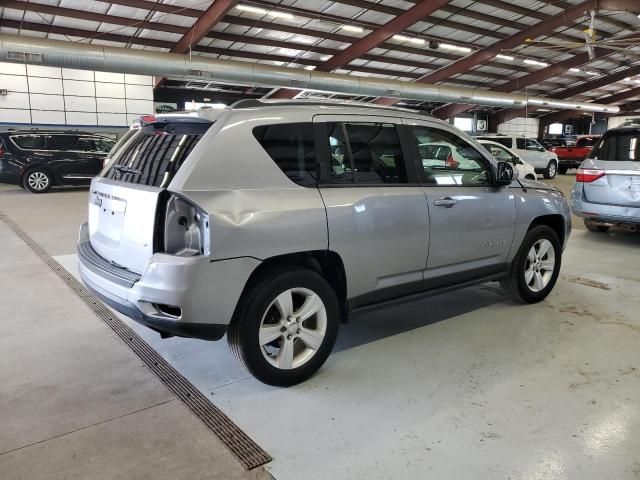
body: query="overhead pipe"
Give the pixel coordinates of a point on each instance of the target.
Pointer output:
(57, 53)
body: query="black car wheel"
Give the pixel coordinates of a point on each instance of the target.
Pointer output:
(37, 180)
(285, 326)
(535, 269)
(551, 170)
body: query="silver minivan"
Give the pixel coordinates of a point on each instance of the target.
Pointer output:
(607, 189)
(274, 221)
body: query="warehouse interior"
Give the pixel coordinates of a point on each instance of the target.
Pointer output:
(448, 380)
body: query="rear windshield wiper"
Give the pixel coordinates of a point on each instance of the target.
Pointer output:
(124, 169)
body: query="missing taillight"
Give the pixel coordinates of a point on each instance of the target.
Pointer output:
(186, 229)
(588, 175)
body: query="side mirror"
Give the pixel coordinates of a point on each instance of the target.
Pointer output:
(541, 149)
(504, 174)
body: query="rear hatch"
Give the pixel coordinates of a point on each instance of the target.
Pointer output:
(125, 197)
(613, 169)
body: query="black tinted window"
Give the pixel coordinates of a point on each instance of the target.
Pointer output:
(155, 153)
(370, 154)
(587, 142)
(29, 142)
(521, 144)
(292, 147)
(620, 146)
(448, 159)
(67, 142)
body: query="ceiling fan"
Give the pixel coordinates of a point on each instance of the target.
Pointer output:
(592, 41)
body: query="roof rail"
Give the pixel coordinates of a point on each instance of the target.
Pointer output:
(255, 103)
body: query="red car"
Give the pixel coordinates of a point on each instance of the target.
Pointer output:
(572, 157)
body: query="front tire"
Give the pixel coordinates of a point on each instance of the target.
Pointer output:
(285, 326)
(551, 170)
(37, 180)
(535, 269)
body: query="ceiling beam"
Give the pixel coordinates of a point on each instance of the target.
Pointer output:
(540, 29)
(205, 23)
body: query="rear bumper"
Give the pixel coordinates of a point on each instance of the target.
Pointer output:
(616, 215)
(181, 296)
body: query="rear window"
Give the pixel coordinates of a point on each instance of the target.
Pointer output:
(618, 146)
(587, 142)
(29, 142)
(154, 153)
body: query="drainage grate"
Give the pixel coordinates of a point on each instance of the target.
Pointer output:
(248, 453)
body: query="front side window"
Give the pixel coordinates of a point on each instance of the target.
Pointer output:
(29, 142)
(533, 145)
(521, 144)
(448, 159)
(292, 147)
(618, 146)
(365, 153)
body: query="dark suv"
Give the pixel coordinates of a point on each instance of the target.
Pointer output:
(40, 159)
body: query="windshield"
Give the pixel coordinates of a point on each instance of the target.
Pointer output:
(151, 155)
(622, 146)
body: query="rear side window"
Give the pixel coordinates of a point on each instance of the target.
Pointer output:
(155, 153)
(586, 142)
(292, 147)
(521, 144)
(29, 142)
(365, 153)
(618, 146)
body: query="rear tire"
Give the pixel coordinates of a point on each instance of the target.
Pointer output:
(270, 336)
(37, 180)
(535, 269)
(551, 170)
(595, 228)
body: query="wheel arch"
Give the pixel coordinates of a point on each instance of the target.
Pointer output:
(554, 221)
(326, 263)
(39, 166)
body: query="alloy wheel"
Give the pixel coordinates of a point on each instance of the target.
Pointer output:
(38, 181)
(540, 265)
(293, 328)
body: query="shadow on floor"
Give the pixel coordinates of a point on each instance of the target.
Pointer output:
(386, 322)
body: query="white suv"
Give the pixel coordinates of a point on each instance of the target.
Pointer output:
(529, 150)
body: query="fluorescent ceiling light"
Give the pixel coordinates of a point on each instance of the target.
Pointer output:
(273, 13)
(262, 11)
(505, 57)
(418, 41)
(575, 70)
(310, 67)
(455, 47)
(535, 62)
(592, 73)
(248, 8)
(400, 38)
(351, 28)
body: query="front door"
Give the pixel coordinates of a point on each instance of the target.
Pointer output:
(471, 222)
(376, 210)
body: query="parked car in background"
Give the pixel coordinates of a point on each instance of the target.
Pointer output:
(529, 150)
(572, 156)
(607, 189)
(40, 159)
(504, 154)
(326, 209)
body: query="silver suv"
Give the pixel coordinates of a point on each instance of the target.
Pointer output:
(607, 189)
(273, 221)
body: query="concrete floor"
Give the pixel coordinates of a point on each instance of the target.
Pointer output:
(460, 386)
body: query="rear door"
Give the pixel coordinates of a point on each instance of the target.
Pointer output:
(124, 198)
(618, 155)
(471, 222)
(376, 210)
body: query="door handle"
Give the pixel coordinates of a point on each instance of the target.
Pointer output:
(445, 202)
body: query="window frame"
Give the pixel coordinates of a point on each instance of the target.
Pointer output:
(323, 153)
(410, 138)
